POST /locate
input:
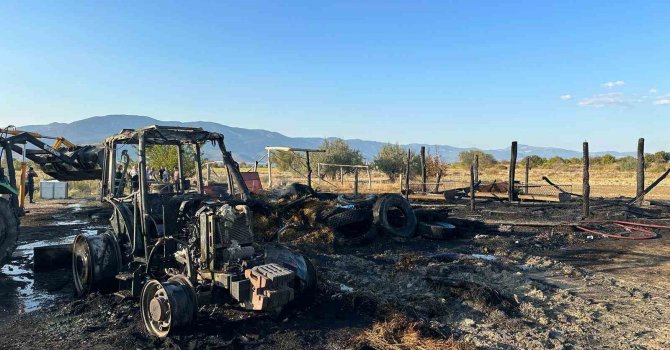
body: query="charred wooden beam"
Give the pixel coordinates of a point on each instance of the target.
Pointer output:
(586, 188)
(512, 171)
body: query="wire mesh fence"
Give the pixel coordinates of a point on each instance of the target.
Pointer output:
(601, 184)
(541, 189)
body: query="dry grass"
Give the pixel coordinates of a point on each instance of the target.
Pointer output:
(81, 189)
(399, 333)
(605, 180)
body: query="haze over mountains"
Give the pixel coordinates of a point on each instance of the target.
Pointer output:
(248, 144)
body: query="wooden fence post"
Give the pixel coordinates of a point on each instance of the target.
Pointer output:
(424, 171)
(269, 170)
(640, 170)
(527, 173)
(356, 181)
(586, 189)
(309, 170)
(512, 172)
(476, 167)
(409, 163)
(472, 187)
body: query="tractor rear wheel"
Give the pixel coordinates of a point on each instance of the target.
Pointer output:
(9, 231)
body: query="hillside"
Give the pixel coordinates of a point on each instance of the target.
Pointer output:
(248, 144)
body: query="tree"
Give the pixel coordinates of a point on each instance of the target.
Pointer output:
(661, 157)
(485, 160)
(287, 160)
(166, 156)
(434, 163)
(337, 151)
(391, 160)
(535, 161)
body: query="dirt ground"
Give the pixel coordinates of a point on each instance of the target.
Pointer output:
(496, 286)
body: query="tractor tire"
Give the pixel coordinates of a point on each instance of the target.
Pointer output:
(324, 214)
(9, 231)
(394, 215)
(350, 217)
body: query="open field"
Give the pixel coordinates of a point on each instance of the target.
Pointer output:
(605, 181)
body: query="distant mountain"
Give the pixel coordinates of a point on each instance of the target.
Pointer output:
(249, 144)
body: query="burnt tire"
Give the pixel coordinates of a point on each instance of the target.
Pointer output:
(366, 201)
(9, 231)
(393, 214)
(305, 272)
(353, 241)
(437, 230)
(324, 214)
(96, 260)
(350, 217)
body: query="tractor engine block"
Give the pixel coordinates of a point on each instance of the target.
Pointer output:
(226, 235)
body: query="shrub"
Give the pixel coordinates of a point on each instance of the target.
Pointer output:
(391, 160)
(627, 163)
(485, 160)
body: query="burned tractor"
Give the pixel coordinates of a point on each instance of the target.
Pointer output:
(174, 246)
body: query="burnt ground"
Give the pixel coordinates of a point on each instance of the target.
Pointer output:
(495, 286)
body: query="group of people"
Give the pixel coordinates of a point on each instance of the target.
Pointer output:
(163, 175)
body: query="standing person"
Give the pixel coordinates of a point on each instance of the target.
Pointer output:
(135, 178)
(30, 183)
(118, 179)
(161, 170)
(175, 180)
(165, 175)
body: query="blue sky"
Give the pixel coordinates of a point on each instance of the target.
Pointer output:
(463, 73)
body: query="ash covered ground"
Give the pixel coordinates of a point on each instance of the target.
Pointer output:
(497, 285)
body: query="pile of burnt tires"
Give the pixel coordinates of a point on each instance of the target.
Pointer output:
(359, 220)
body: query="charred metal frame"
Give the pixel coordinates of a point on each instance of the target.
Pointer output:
(197, 242)
(176, 136)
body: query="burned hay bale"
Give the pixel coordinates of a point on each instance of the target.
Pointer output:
(399, 332)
